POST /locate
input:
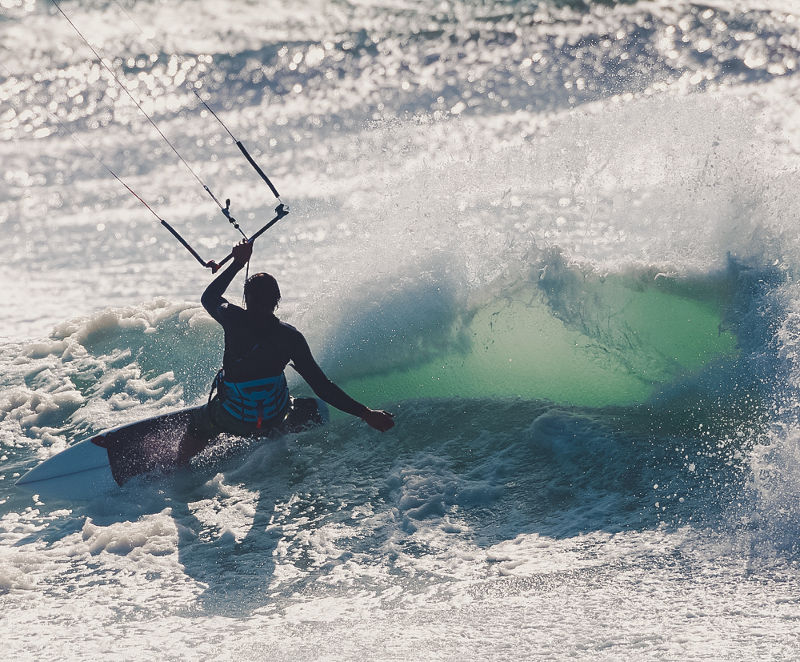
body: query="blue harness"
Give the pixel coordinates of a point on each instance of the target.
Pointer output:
(257, 401)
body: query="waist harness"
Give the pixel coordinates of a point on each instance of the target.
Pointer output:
(255, 401)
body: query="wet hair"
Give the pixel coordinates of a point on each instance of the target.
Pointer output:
(261, 291)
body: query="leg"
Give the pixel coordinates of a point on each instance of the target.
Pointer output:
(192, 443)
(199, 432)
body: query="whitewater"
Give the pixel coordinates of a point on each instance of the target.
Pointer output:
(557, 239)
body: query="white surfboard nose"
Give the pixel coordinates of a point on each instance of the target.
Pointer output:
(81, 471)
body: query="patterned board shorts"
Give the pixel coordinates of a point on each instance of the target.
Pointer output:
(213, 419)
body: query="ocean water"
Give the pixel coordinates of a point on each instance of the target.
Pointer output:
(557, 239)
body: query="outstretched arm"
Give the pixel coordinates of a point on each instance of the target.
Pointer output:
(305, 364)
(212, 298)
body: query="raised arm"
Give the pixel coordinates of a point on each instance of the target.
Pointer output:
(212, 298)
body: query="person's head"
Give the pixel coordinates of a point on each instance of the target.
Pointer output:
(261, 293)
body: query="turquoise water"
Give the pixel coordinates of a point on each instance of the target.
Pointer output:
(632, 338)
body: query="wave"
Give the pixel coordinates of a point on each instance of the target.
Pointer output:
(582, 356)
(563, 335)
(564, 385)
(481, 474)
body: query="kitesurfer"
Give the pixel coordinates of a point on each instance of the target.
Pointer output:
(252, 397)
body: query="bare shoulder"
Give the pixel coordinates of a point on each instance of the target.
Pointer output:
(292, 332)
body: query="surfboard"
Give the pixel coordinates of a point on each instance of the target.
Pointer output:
(98, 465)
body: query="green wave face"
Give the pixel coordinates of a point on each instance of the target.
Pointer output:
(615, 344)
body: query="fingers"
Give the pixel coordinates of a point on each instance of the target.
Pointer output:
(242, 251)
(380, 420)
